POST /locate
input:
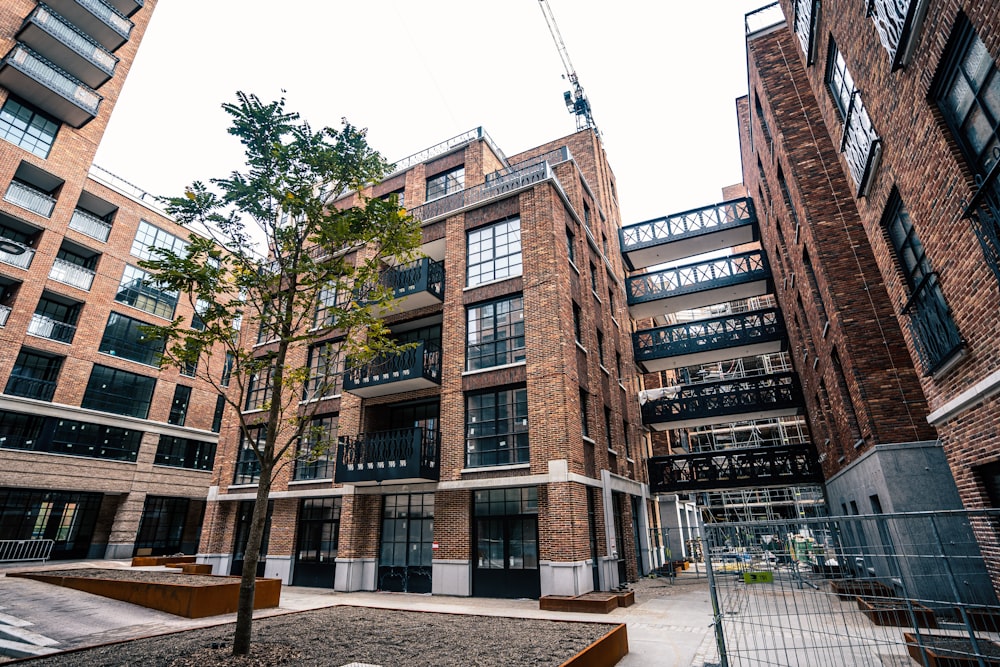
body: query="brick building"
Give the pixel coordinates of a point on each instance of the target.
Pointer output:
(504, 454)
(100, 450)
(870, 142)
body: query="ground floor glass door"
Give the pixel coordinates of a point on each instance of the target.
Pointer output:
(505, 535)
(407, 541)
(316, 543)
(161, 530)
(68, 518)
(244, 516)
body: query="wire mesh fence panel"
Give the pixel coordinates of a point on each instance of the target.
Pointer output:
(884, 589)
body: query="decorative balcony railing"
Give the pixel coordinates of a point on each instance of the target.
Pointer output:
(731, 270)
(72, 274)
(720, 401)
(424, 275)
(806, 27)
(898, 23)
(984, 213)
(717, 333)
(29, 387)
(90, 225)
(759, 467)
(319, 469)
(861, 144)
(46, 327)
(448, 146)
(421, 363)
(79, 102)
(21, 260)
(75, 40)
(30, 198)
(4, 314)
(400, 454)
(934, 332)
(480, 193)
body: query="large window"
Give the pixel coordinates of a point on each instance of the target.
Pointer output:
(495, 334)
(150, 236)
(136, 290)
(247, 464)
(34, 376)
(120, 392)
(68, 436)
(968, 93)
(839, 79)
(258, 390)
(496, 428)
(326, 371)
(184, 453)
(316, 457)
(220, 411)
(23, 126)
(179, 406)
(124, 337)
(327, 304)
(934, 332)
(494, 252)
(445, 184)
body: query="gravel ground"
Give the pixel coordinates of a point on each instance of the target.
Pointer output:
(342, 635)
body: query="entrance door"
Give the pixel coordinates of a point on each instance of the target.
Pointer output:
(316, 548)
(244, 516)
(505, 533)
(407, 540)
(161, 529)
(67, 518)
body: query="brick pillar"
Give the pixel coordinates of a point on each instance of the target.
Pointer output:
(564, 552)
(121, 542)
(357, 555)
(452, 568)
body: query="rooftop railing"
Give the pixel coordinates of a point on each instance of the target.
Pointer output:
(446, 147)
(766, 17)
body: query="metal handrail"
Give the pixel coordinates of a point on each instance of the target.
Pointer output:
(861, 143)
(72, 274)
(16, 551)
(424, 357)
(46, 327)
(111, 16)
(763, 18)
(424, 273)
(733, 269)
(479, 193)
(90, 224)
(447, 146)
(31, 198)
(725, 215)
(708, 334)
(29, 387)
(726, 397)
(54, 78)
(4, 314)
(80, 42)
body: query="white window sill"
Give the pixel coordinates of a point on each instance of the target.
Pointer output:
(574, 267)
(299, 482)
(605, 370)
(513, 466)
(581, 347)
(493, 368)
(612, 452)
(590, 440)
(241, 486)
(321, 398)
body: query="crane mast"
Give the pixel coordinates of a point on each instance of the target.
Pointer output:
(576, 101)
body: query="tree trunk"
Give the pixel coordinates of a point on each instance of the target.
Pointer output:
(251, 556)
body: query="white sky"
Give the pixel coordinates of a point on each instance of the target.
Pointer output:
(662, 78)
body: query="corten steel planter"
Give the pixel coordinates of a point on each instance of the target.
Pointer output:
(951, 651)
(153, 561)
(605, 652)
(899, 612)
(589, 603)
(848, 589)
(197, 599)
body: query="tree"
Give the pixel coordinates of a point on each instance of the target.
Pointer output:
(320, 277)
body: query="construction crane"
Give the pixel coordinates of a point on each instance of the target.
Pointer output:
(576, 101)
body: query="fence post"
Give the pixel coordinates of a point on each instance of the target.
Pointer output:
(720, 636)
(955, 594)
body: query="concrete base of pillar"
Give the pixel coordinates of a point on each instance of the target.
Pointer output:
(279, 567)
(119, 551)
(355, 574)
(573, 578)
(220, 562)
(451, 577)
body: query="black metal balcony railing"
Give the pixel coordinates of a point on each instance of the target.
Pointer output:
(30, 198)
(46, 327)
(75, 40)
(934, 332)
(21, 260)
(984, 213)
(247, 471)
(759, 467)
(898, 25)
(421, 361)
(387, 455)
(319, 469)
(29, 387)
(861, 144)
(732, 270)
(717, 333)
(424, 275)
(4, 314)
(90, 224)
(706, 220)
(724, 398)
(806, 26)
(515, 181)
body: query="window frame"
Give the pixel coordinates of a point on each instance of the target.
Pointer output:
(128, 397)
(159, 238)
(483, 245)
(35, 125)
(500, 428)
(444, 183)
(489, 337)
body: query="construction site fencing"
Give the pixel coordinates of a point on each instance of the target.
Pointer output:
(871, 590)
(15, 551)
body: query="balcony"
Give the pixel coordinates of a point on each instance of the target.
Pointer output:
(710, 340)
(501, 185)
(101, 21)
(4, 314)
(898, 23)
(933, 330)
(862, 145)
(759, 467)
(91, 225)
(415, 285)
(29, 387)
(807, 27)
(416, 368)
(44, 85)
(690, 233)
(21, 260)
(722, 401)
(696, 285)
(72, 274)
(66, 47)
(46, 327)
(127, 7)
(399, 456)
(30, 198)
